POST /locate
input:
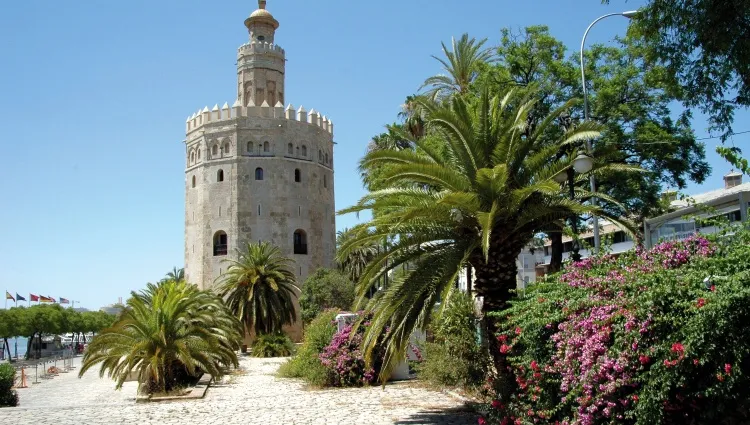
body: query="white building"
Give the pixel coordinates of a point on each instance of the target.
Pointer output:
(691, 215)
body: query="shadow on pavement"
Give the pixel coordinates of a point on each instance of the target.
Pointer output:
(454, 416)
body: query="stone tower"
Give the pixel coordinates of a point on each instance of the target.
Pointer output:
(258, 171)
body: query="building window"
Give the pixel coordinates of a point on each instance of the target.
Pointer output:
(304, 151)
(215, 150)
(226, 148)
(290, 149)
(258, 173)
(300, 242)
(220, 243)
(192, 157)
(199, 154)
(297, 175)
(250, 147)
(220, 176)
(326, 158)
(266, 147)
(193, 181)
(320, 155)
(325, 180)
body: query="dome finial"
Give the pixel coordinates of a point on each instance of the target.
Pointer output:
(261, 4)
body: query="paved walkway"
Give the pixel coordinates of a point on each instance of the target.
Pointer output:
(255, 396)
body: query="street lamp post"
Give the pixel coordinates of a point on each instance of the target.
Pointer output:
(629, 14)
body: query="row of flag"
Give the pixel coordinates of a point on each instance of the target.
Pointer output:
(32, 297)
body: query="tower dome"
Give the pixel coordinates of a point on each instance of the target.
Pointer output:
(261, 17)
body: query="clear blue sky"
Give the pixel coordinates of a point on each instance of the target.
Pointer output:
(95, 96)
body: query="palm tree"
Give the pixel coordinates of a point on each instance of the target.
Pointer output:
(357, 259)
(479, 201)
(167, 331)
(260, 288)
(177, 274)
(460, 67)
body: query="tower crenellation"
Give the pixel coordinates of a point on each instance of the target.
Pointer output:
(258, 170)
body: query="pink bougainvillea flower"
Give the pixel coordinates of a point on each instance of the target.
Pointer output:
(696, 362)
(518, 330)
(496, 404)
(482, 421)
(504, 348)
(677, 347)
(713, 288)
(728, 368)
(644, 359)
(720, 377)
(701, 302)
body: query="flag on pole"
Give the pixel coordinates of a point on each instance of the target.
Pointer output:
(64, 301)
(34, 297)
(52, 300)
(8, 296)
(19, 298)
(43, 299)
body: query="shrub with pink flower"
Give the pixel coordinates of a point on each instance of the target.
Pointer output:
(344, 360)
(640, 339)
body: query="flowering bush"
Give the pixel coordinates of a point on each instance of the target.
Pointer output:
(344, 359)
(306, 362)
(651, 337)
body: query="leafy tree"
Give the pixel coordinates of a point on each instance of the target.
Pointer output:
(324, 289)
(260, 288)
(704, 46)
(627, 95)
(479, 203)
(167, 333)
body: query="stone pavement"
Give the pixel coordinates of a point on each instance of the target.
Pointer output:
(254, 396)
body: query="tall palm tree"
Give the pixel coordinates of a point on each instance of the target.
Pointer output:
(177, 274)
(479, 201)
(355, 262)
(260, 288)
(166, 331)
(460, 67)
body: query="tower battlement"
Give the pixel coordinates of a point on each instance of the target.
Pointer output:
(254, 47)
(225, 113)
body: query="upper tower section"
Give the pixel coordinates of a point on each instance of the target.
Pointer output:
(260, 62)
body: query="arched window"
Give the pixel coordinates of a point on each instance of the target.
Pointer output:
(220, 243)
(325, 180)
(258, 173)
(266, 147)
(320, 155)
(300, 242)
(193, 181)
(199, 154)
(304, 151)
(215, 150)
(220, 176)
(297, 175)
(192, 157)
(226, 149)
(326, 158)
(249, 147)
(290, 149)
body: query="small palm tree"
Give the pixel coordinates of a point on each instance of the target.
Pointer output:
(260, 288)
(177, 274)
(478, 201)
(460, 66)
(355, 262)
(167, 332)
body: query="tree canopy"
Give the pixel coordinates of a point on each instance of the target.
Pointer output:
(704, 46)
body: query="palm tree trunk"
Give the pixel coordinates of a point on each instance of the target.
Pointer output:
(496, 278)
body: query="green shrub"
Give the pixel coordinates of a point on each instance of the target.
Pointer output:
(454, 358)
(272, 345)
(324, 289)
(306, 363)
(8, 396)
(655, 337)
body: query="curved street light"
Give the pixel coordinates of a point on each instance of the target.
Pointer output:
(628, 14)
